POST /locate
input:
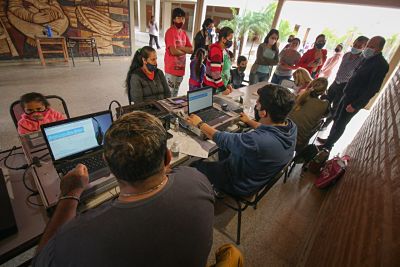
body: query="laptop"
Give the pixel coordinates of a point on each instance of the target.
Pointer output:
(200, 102)
(79, 140)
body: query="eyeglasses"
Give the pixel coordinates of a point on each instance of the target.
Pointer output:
(30, 111)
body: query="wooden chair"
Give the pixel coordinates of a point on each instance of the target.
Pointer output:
(242, 203)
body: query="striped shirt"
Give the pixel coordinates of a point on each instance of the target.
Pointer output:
(214, 65)
(347, 67)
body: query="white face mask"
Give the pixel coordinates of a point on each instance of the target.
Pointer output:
(368, 52)
(355, 51)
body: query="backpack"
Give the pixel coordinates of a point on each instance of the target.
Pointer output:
(332, 171)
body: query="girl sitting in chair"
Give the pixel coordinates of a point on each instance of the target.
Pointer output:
(37, 111)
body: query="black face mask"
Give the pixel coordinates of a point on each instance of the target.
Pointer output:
(241, 69)
(319, 45)
(289, 40)
(228, 43)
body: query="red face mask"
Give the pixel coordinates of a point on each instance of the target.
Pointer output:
(178, 25)
(37, 115)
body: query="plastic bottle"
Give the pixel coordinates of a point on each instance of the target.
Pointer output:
(175, 149)
(176, 125)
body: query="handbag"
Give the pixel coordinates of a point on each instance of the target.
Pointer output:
(332, 171)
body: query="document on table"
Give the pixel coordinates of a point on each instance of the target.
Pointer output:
(192, 145)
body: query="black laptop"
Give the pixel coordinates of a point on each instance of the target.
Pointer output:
(79, 140)
(200, 102)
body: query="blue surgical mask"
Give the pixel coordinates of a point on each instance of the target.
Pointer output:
(151, 67)
(209, 31)
(355, 51)
(368, 52)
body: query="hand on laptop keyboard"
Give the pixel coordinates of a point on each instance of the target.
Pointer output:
(75, 181)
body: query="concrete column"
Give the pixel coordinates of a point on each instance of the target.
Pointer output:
(142, 15)
(157, 5)
(199, 16)
(277, 14)
(132, 26)
(167, 9)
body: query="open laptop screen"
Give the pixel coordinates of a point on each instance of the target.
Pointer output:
(76, 135)
(200, 99)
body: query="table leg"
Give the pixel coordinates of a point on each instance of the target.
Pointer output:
(64, 46)
(40, 52)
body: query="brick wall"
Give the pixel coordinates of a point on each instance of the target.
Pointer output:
(359, 222)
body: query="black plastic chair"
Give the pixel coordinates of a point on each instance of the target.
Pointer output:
(56, 102)
(298, 159)
(242, 203)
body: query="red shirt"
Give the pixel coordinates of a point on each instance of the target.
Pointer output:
(175, 65)
(309, 57)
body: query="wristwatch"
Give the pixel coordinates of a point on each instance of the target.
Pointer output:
(200, 124)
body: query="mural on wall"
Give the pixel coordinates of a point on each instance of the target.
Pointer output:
(22, 20)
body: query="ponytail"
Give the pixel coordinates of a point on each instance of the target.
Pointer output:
(200, 55)
(316, 88)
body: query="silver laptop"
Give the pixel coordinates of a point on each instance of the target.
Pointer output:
(200, 102)
(79, 140)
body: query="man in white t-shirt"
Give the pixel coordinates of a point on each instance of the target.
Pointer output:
(153, 32)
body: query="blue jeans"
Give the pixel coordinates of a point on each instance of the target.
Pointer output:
(277, 79)
(258, 77)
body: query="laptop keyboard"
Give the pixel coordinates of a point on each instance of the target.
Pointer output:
(93, 164)
(210, 114)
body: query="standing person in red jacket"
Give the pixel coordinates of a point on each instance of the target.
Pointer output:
(215, 62)
(315, 58)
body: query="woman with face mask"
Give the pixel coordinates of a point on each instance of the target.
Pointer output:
(37, 111)
(204, 37)
(144, 81)
(314, 58)
(215, 62)
(267, 57)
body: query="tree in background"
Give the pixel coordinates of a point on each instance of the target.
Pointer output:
(253, 26)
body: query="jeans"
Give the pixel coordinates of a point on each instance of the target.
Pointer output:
(277, 79)
(155, 39)
(258, 77)
(173, 83)
(217, 172)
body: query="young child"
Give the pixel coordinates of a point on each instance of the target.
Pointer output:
(37, 112)
(197, 70)
(237, 75)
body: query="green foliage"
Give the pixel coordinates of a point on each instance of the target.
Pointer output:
(256, 24)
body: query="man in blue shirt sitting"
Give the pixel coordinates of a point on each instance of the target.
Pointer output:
(247, 161)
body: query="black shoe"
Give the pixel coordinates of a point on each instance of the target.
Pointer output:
(321, 140)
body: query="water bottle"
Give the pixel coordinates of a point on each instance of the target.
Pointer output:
(176, 125)
(49, 32)
(175, 149)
